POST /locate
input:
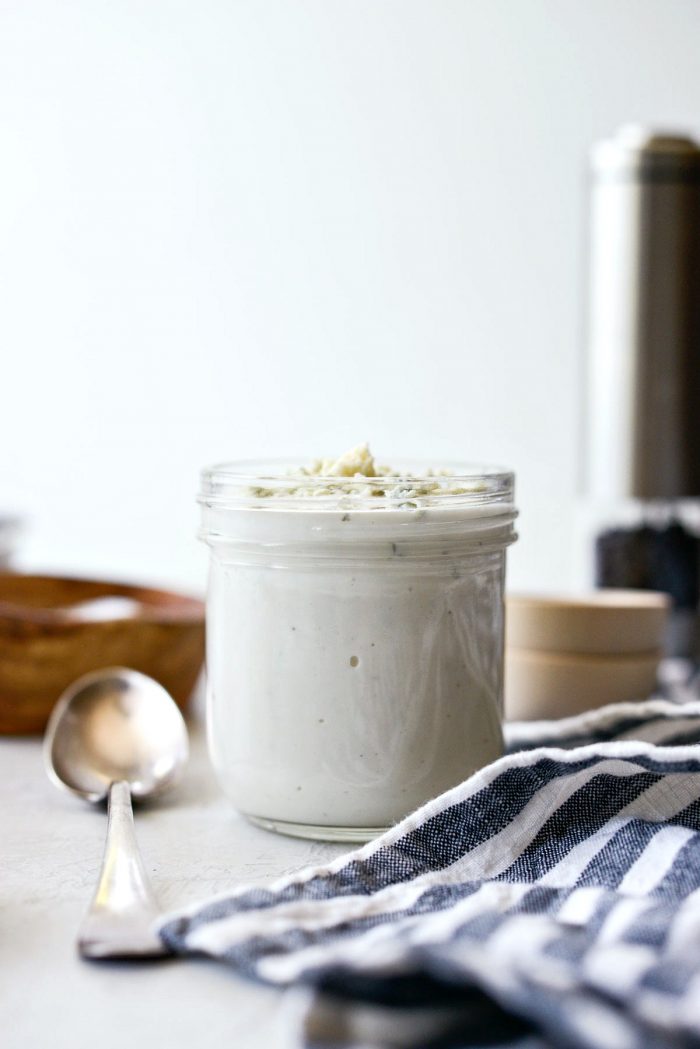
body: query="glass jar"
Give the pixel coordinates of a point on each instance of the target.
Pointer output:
(354, 640)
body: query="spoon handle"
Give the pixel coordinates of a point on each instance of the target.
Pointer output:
(119, 923)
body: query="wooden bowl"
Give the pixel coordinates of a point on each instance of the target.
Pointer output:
(52, 630)
(560, 684)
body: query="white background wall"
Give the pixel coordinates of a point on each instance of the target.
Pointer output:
(232, 229)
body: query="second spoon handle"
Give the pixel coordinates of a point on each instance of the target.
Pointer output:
(119, 923)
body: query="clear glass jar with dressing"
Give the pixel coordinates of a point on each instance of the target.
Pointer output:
(354, 640)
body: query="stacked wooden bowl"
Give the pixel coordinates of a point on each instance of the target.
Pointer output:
(568, 654)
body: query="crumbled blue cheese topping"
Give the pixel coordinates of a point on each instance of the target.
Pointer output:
(359, 463)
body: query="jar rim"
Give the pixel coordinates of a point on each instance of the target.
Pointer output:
(276, 484)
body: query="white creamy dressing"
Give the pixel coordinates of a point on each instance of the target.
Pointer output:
(354, 655)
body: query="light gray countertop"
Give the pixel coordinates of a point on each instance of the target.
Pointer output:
(194, 845)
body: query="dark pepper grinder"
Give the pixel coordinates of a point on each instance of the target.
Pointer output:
(643, 389)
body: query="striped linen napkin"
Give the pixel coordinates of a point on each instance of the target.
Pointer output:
(551, 900)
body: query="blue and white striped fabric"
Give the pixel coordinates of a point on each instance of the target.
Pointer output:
(553, 899)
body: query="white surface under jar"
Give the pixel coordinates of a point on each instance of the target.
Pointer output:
(354, 640)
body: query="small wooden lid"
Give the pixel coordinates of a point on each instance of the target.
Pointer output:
(613, 622)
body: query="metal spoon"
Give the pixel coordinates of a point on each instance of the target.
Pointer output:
(115, 734)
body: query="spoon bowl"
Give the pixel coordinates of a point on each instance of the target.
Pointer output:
(115, 725)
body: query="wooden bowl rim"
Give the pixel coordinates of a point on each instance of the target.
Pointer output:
(159, 606)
